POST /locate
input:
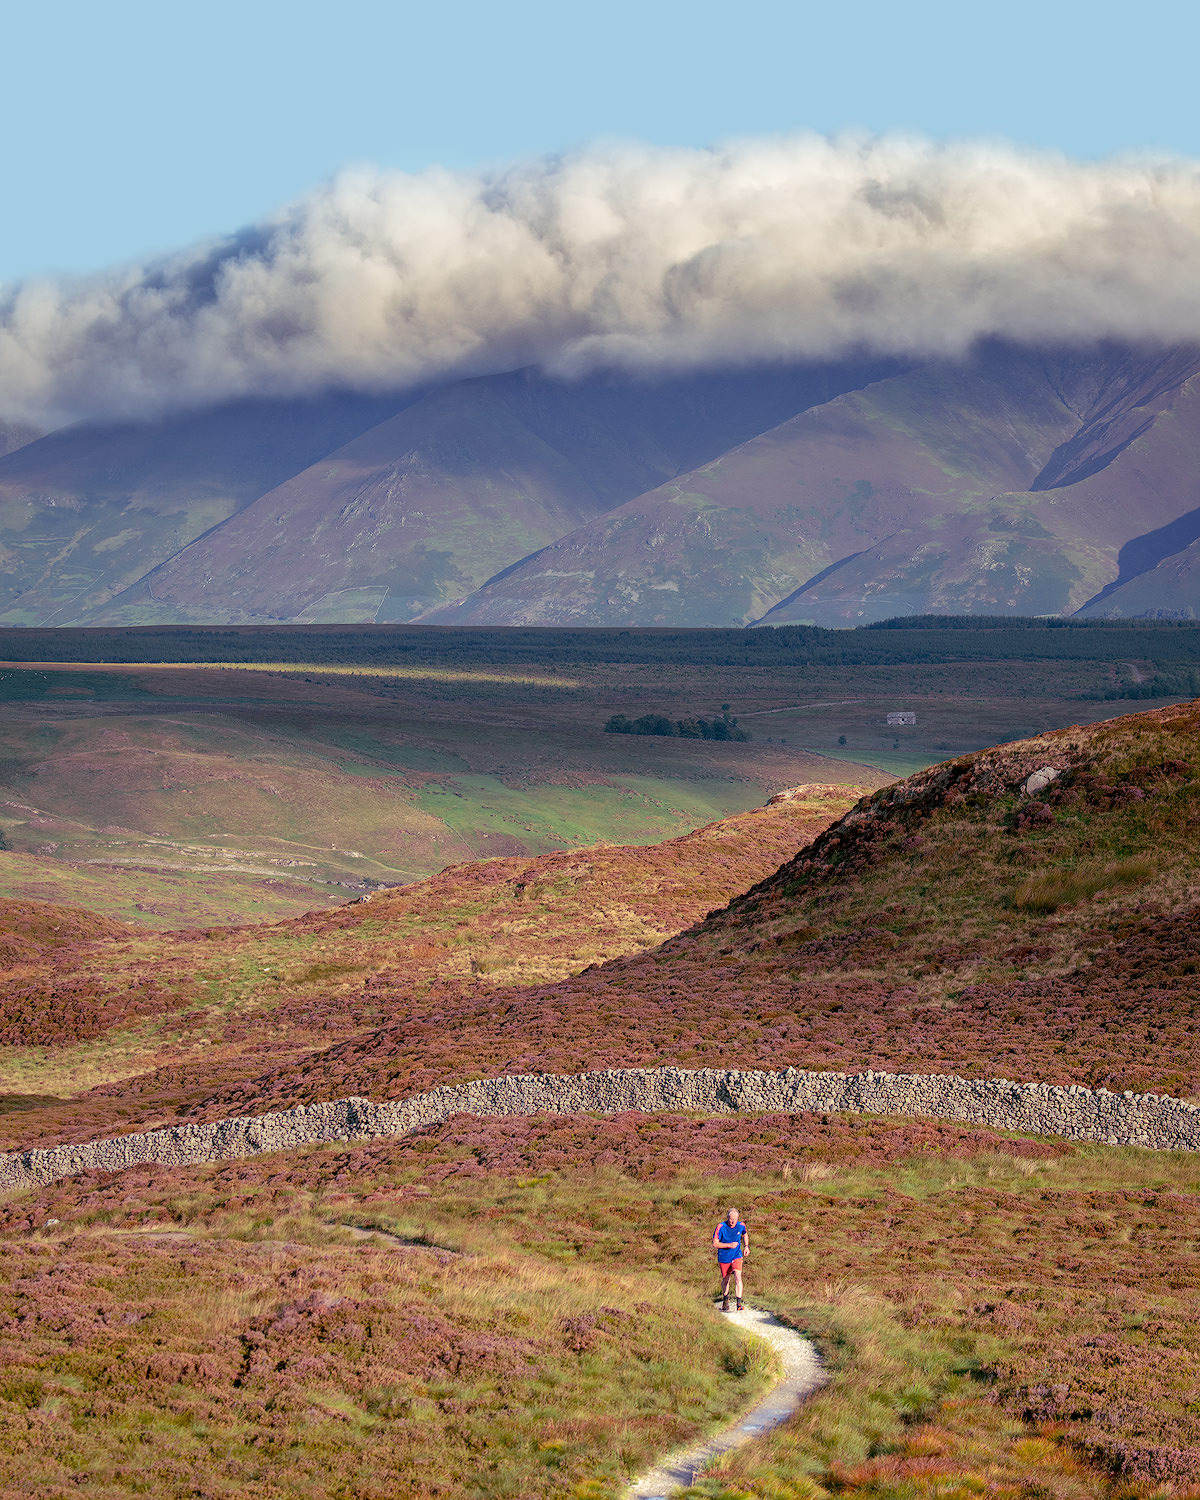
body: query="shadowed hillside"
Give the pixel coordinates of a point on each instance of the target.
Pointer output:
(1007, 484)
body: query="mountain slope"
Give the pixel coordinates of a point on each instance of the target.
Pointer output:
(1102, 512)
(14, 435)
(1170, 590)
(925, 491)
(476, 475)
(86, 511)
(1018, 481)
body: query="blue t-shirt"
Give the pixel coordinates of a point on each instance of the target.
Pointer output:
(729, 1241)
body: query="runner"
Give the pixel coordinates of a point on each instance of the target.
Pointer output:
(731, 1241)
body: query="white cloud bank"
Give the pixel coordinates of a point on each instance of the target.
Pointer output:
(637, 257)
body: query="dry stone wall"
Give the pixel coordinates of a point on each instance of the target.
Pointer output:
(1157, 1121)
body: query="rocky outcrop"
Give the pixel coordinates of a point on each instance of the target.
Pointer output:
(1157, 1121)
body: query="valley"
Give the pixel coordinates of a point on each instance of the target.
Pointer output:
(261, 773)
(999, 1314)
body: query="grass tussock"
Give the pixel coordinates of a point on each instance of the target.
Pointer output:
(1047, 891)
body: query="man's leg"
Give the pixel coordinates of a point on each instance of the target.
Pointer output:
(725, 1270)
(737, 1279)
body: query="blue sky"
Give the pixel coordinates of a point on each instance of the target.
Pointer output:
(134, 127)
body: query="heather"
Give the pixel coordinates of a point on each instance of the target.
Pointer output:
(954, 923)
(155, 1022)
(282, 1356)
(904, 937)
(1001, 1316)
(34, 930)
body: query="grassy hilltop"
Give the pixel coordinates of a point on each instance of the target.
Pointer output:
(519, 1307)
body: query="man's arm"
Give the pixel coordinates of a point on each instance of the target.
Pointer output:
(746, 1242)
(717, 1238)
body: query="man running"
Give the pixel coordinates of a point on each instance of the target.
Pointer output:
(731, 1241)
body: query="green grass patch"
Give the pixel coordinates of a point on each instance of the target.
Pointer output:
(1047, 890)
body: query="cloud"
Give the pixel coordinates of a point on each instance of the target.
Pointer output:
(641, 258)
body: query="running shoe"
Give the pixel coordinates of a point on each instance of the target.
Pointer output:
(724, 1304)
(741, 1307)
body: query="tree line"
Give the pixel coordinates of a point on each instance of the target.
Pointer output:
(724, 728)
(908, 641)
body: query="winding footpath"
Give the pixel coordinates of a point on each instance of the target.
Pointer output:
(1154, 1121)
(801, 1375)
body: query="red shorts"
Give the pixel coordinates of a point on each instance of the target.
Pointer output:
(725, 1266)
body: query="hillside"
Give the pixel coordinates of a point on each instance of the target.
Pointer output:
(953, 922)
(1008, 485)
(356, 508)
(154, 1021)
(998, 1315)
(301, 764)
(86, 511)
(1018, 480)
(31, 931)
(182, 796)
(425, 506)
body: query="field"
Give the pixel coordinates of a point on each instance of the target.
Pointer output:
(1001, 1317)
(302, 766)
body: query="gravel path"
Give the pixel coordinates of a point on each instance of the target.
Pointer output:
(802, 1374)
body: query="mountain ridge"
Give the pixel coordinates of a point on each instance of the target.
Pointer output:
(1017, 480)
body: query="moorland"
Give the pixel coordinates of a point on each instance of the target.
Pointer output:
(175, 776)
(520, 1307)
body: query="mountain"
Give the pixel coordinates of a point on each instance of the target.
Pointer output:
(87, 511)
(14, 435)
(1008, 484)
(1169, 590)
(1019, 480)
(424, 507)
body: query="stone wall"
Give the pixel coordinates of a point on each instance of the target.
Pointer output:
(1157, 1121)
